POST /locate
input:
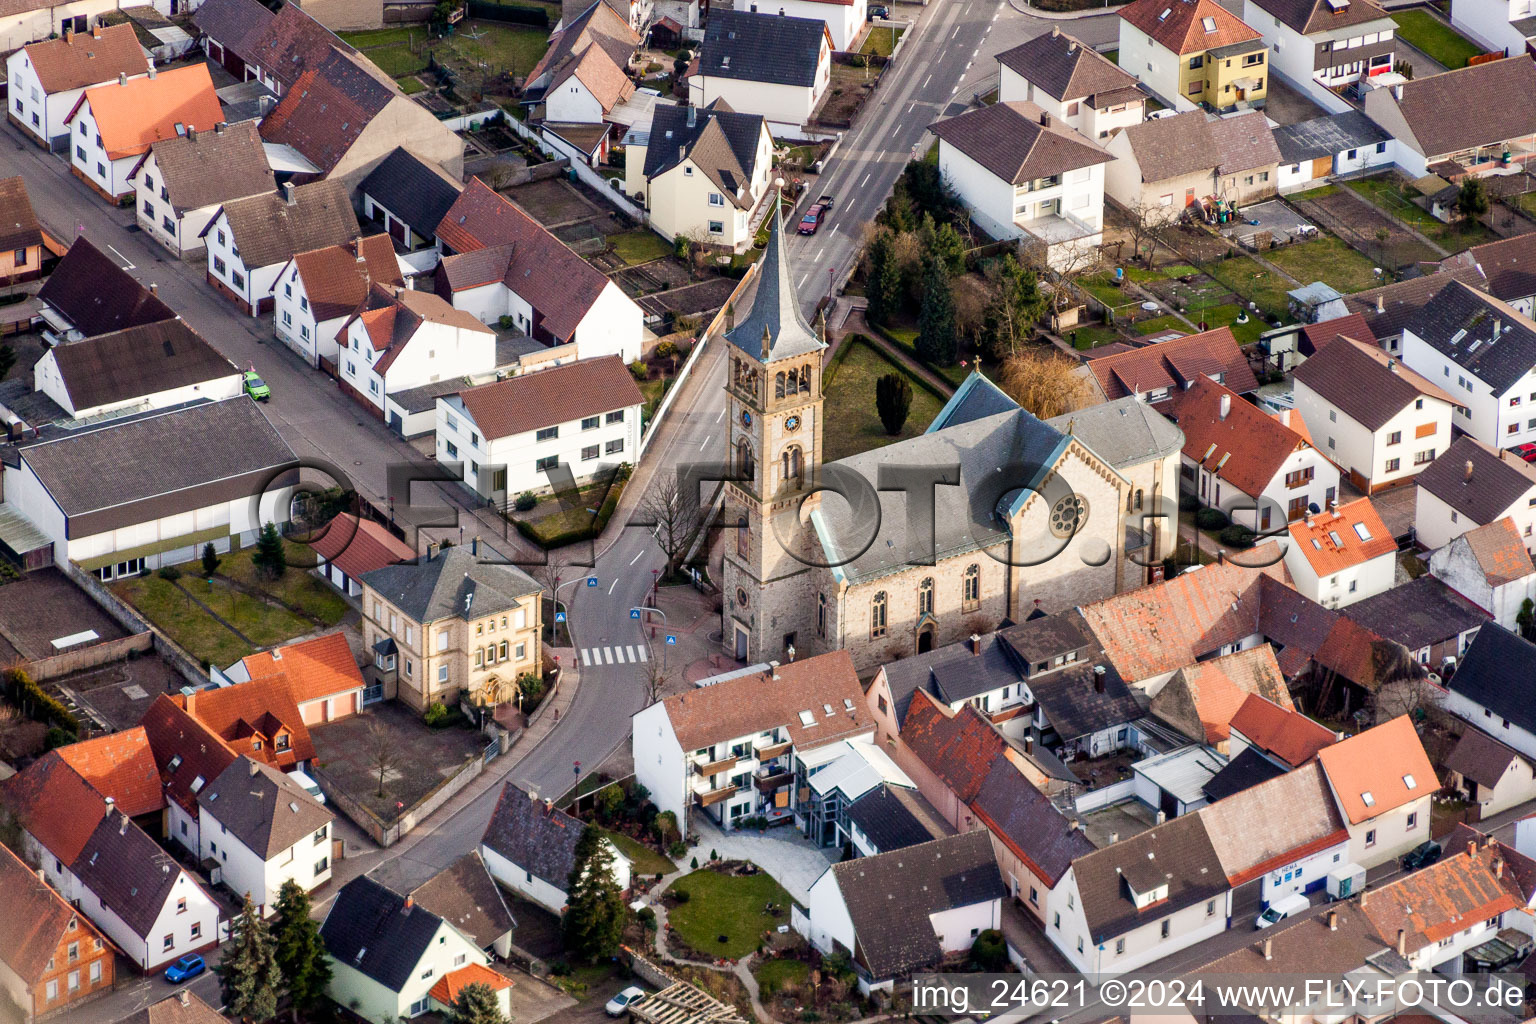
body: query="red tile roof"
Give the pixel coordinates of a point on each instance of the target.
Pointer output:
(1347, 536)
(824, 687)
(132, 117)
(243, 714)
(1380, 769)
(1217, 689)
(356, 546)
(121, 766)
(80, 59)
(1175, 364)
(560, 394)
(1244, 446)
(448, 987)
(959, 747)
(56, 805)
(1461, 891)
(1179, 25)
(314, 669)
(1500, 552)
(36, 920)
(185, 749)
(1283, 732)
(337, 278)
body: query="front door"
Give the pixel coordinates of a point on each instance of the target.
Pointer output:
(741, 644)
(925, 640)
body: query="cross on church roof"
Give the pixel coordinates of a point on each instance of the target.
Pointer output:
(775, 328)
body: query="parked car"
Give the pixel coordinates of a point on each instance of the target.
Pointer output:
(185, 969)
(812, 221)
(1421, 856)
(308, 784)
(256, 387)
(1526, 451)
(879, 11)
(1281, 908)
(619, 1005)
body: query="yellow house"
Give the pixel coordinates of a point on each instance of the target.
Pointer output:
(1194, 53)
(702, 173)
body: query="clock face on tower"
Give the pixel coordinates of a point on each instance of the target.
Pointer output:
(793, 423)
(746, 417)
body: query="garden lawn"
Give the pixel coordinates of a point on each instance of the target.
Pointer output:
(1141, 275)
(880, 42)
(397, 60)
(1087, 336)
(1226, 316)
(1326, 259)
(729, 906)
(1159, 324)
(1103, 288)
(853, 425)
(905, 338)
(1420, 29)
(203, 636)
(652, 391)
(1252, 283)
(410, 85)
(1385, 193)
(514, 48)
(297, 588)
(1321, 192)
(382, 37)
(643, 860)
(773, 975)
(641, 245)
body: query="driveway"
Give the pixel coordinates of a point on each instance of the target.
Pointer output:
(782, 852)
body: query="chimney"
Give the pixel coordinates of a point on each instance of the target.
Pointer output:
(1045, 119)
(410, 901)
(549, 807)
(1098, 679)
(1402, 942)
(41, 875)
(1381, 304)
(400, 292)
(432, 546)
(1498, 329)
(1226, 406)
(1029, 744)
(184, 997)
(1333, 920)
(1074, 825)
(69, 31)
(1467, 474)
(1498, 867)
(693, 116)
(254, 770)
(682, 152)
(975, 645)
(1055, 32)
(152, 72)
(1269, 948)
(773, 670)
(1392, 365)
(96, 32)
(1114, 837)
(111, 802)
(218, 129)
(1397, 92)
(1503, 454)
(1471, 848)
(288, 193)
(474, 546)
(1161, 817)
(191, 702)
(154, 289)
(122, 78)
(1285, 417)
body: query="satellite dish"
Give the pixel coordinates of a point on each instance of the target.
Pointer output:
(1312, 508)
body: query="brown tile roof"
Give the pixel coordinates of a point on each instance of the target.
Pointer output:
(1315, 537)
(1480, 105)
(546, 397)
(1026, 821)
(604, 79)
(1388, 309)
(1379, 763)
(1480, 757)
(1364, 382)
(1508, 266)
(358, 546)
(959, 747)
(57, 806)
(1243, 142)
(242, 714)
(748, 705)
(287, 43)
(1177, 854)
(1247, 447)
(1460, 891)
(138, 361)
(1010, 140)
(1175, 364)
(237, 25)
(19, 228)
(1273, 824)
(132, 117)
(1307, 944)
(337, 277)
(465, 895)
(325, 111)
(1281, 731)
(263, 808)
(1308, 16)
(1484, 492)
(97, 295)
(1201, 699)
(1500, 552)
(1352, 325)
(1180, 25)
(36, 920)
(171, 1011)
(1170, 147)
(269, 231)
(314, 669)
(601, 26)
(205, 168)
(559, 285)
(188, 753)
(80, 59)
(120, 766)
(1064, 68)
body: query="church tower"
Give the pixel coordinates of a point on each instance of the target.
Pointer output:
(773, 408)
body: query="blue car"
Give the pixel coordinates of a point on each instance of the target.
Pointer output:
(185, 969)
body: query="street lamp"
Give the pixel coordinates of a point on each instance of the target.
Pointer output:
(652, 610)
(554, 596)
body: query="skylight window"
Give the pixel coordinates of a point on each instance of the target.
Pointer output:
(1410, 782)
(1209, 23)
(1362, 531)
(826, 709)
(1338, 541)
(806, 718)
(847, 704)
(1368, 799)
(197, 783)
(1164, 16)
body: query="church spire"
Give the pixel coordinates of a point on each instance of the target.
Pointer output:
(775, 320)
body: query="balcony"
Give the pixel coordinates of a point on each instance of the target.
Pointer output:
(770, 749)
(767, 781)
(707, 768)
(707, 793)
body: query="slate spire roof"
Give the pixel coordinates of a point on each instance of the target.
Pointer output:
(776, 307)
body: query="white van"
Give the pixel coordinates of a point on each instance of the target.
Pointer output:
(308, 785)
(1282, 908)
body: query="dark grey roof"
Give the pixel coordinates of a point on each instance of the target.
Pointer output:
(952, 673)
(1062, 67)
(264, 809)
(1459, 323)
(723, 143)
(136, 362)
(465, 895)
(97, 295)
(370, 929)
(894, 817)
(128, 871)
(1043, 637)
(1018, 142)
(453, 582)
(1480, 757)
(890, 897)
(533, 835)
(1417, 614)
(1494, 483)
(775, 307)
(975, 399)
(157, 455)
(1498, 672)
(1177, 854)
(1075, 706)
(1327, 136)
(770, 48)
(1027, 820)
(1124, 433)
(412, 190)
(1244, 771)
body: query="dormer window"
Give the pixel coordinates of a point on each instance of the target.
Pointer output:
(281, 743)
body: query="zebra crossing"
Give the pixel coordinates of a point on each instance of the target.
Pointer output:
(617, 654)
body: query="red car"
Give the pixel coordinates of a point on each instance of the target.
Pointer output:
(815, 215)
(1526, 451)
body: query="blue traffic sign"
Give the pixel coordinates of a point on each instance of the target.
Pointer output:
(559, 616)
(634, 613)
(591, 581)
(671, 639)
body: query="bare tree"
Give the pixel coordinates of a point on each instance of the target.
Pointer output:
(1044, 383)
(1071, 263)
(673, 514)
(655, 681)
(383, 751)
(552, 572)
(1145, 223)
(1410, 694)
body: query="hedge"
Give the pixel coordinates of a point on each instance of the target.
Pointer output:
(24, 693)
(1211, 519)
(591, 531)
(517, 14)
(1236, 535)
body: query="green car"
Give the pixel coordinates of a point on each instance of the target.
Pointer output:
(256, 387)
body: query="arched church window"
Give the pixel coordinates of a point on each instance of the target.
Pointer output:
(925, 596)
(970, 596)
(877, 615)
(778, 385)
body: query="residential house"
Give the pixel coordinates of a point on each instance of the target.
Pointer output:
(389, 956)
(89, 293)
(498, 261)
(1490, 774)
(21, 240)
(1488, 349)
(1500, 268)
(1322, 45)
(351, 546)
(39, 19)
(1083, 708)
(1489, 566)
(896, 913)
(1201, 700)
(1492, 686)
(251, 240)
(112, 127)
(1473, 485)
(859, 768)
(1342, 554)
(529, 846)
(187, 756)
(188, 177)
(121, 498)
(507, 437)
(379, 119)
(46, 78)
(399, 340)
(450, 627)
(585, 72)
(1277, 732)
(1387, 308)
(153, 366)
(1504, 25)
(1156, 373)
(1289, 346)
(772, 65)
(185, 1007)
(258, 718)
(263, 830)
(637, 14)
(98, 859)
(702, 173)
(1166, 164)
(892, 817)
(408, 197)
(976, 672)
(50, 956)
(466, 896)
(1382, 781)
(320, 674)
(1427, 117)
(254, 43)
(1362, 426)
(845, 19)
(1432, 621)
(1024, 174)
(1072, 82)
(1260, 469)
(317, 291)
(744, 746)
(1319, 148)
(1194, 53)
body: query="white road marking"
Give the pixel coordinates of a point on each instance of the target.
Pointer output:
(612, 585)
(865, 181)
(927, 80)
(632, 561)
(640, 650)
(721, 416)
(590, 656)
(704, 445)
(631, 652)
(618, 655)
(608, 655)
(954, 33)
(999, 14)
(127, 263)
